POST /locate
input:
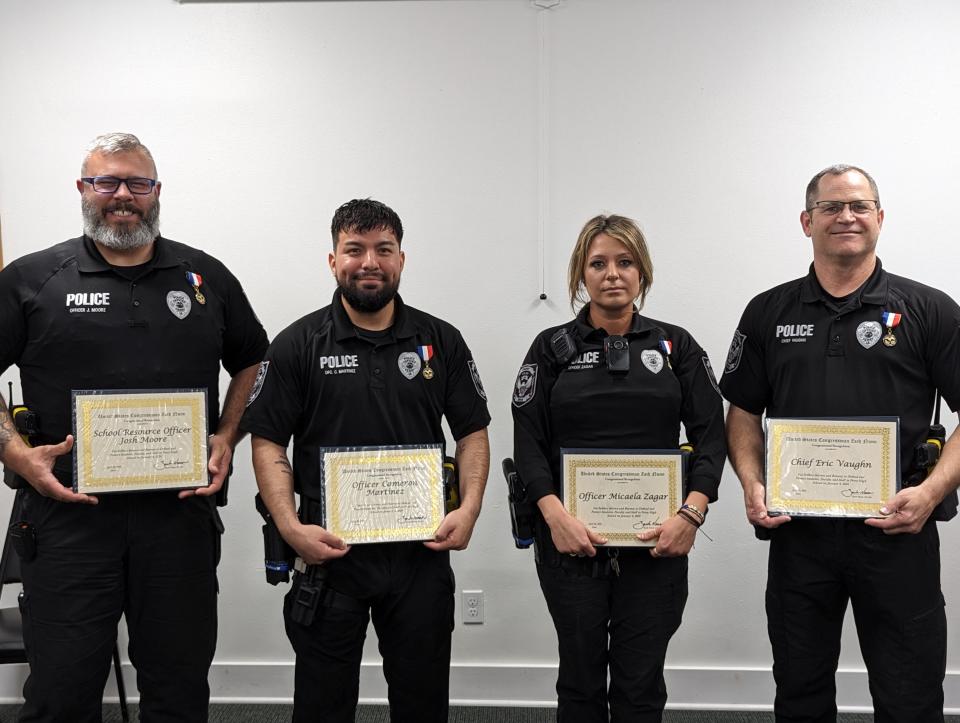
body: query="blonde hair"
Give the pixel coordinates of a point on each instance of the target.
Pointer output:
(624, 230)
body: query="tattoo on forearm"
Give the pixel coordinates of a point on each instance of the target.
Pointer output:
(7, 430)
(284, 465)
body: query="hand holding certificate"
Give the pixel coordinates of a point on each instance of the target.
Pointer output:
(831, 467)
(619, 493)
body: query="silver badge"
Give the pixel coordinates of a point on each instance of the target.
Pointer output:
(652, 360)
(258, 382)
(178, 303)
(526, 386)
(868, 333)
(736, 351)
(475, 375)
(409, 363)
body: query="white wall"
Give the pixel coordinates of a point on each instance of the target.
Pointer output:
(703, 120)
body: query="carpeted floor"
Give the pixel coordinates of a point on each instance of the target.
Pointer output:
(243, 713)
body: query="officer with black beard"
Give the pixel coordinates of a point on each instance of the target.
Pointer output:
(367, 372)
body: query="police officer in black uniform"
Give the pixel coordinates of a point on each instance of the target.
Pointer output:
(367, 371)
(120, 308)
(850, 340)
(613, 379)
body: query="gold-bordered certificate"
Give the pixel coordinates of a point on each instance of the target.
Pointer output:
(130, 441)
(832, 467)
(383, 494)
(618, 493)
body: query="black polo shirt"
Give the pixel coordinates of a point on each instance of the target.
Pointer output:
(580, 404)
(328, 384)
(69, 320)
(798, 352)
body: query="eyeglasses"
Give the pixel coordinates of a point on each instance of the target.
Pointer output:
(109, 184)
(835, 208)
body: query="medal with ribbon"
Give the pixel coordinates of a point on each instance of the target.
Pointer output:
(426, 353)
(666, 346)
(891, 319)
(196, 281)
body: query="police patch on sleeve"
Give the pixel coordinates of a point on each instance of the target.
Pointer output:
(526, 386)
(475, 375)
(710, 375)
(179, 304)
(736, 351)
(258, 382)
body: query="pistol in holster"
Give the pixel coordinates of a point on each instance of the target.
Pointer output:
(925, 458)
(522, 511)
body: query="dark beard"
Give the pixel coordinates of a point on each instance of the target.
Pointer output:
(121, 238)
(368, 302)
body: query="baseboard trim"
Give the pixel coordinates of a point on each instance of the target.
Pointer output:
(508, 685)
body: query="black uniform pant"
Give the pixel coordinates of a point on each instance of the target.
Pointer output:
(409, 591)
(621, 623)
(893, 583)
(149, 556)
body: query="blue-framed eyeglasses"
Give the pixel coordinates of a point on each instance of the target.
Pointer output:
(110, 184)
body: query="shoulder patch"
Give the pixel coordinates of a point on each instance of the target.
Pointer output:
(258, 382)
(526, 386)
(710, 375)
(735, 352)
(475, 375)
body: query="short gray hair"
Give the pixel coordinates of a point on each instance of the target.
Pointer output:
(838, 169)
(110, 143)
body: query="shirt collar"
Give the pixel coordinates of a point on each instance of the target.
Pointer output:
(638, 325)
(343, 328)
(874, 289)
(90, 260)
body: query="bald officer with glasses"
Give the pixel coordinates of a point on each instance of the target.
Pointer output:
(850, 340)
(120, 308)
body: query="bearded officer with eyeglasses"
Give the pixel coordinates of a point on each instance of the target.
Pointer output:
(850, 340)
(120, 308)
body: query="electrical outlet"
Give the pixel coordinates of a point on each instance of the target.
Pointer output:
(472, 608)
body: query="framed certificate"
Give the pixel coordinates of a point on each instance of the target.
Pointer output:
(383, 494)
(132, 441)
(618, 493)
(832, 467)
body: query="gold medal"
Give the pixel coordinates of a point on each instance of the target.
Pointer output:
(890, 319)
(201, 299)
(427, 372)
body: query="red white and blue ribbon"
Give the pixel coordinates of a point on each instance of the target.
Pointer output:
(195, 280)
(891, 319)
(425, 352)
(666, 346)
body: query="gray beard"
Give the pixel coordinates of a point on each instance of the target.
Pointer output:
(120, 238)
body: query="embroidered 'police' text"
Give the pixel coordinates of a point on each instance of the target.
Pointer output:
(787, 333)
(343, 364)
